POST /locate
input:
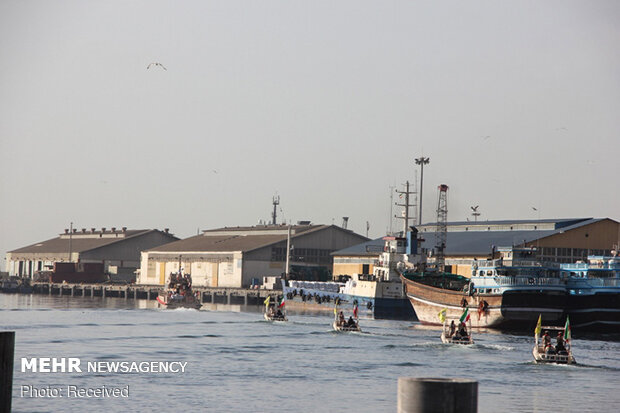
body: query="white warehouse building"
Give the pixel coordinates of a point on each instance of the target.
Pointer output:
(241, 256)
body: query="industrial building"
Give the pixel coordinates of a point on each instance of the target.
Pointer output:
(242, 256)
(118, 249)
(557, 240)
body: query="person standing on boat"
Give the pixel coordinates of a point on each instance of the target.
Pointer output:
(546, 339)
(462, 330)
(560, 347)
(452, 328)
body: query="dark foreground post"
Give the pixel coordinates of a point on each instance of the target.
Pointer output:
(436, 395)
(7, 349)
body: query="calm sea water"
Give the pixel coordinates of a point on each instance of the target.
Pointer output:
(236, 362)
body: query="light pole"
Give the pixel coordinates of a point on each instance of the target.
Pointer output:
(421, 161)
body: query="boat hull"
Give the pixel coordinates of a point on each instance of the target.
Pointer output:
(371, 307)
(344, 329)
(510, 309)
(274, 317)
(541, 357)
(597, 311)
(172, 304)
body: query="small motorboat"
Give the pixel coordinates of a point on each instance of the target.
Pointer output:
(171, 300)
(456, 333)
(275, 312)
(341, 325)
(545, 352)
(179, 293)
(275, 317)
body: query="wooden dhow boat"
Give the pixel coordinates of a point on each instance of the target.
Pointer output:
(510, 291)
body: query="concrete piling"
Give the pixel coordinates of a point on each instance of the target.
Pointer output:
(7, 350)
(437, 395)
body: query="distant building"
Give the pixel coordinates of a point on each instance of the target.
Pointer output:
(358, 259)
(118, 249)
(242, 256)
(558, 240)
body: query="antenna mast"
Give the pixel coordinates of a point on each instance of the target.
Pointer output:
(276, 202)
(405, 217)
(442, 226)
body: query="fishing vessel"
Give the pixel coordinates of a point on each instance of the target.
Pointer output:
(545, 352)
(510, 291)
(594, 292)
(179, 293)
(377, 295)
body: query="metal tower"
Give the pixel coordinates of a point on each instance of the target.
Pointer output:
(276, 202)
(442, 226)
(421, 161)
(406, 207)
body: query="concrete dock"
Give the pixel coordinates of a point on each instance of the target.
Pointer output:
(215, 295)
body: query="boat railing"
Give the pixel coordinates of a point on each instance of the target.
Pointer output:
(502, 262)
(594, 282)
(490, 282)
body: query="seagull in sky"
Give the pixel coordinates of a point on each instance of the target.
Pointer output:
(474, 208)
(534, 209)
(156, 64)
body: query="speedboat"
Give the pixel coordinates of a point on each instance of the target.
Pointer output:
(457, 335)
(341, 325)
(547, 353)
(171, 300)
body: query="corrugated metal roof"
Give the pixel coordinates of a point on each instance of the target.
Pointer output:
(480, 242)
(369, 248)
(235, 242)
(78, 244)
(476, 243)
(561, 222)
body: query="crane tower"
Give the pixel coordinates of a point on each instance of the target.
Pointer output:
(442, 226)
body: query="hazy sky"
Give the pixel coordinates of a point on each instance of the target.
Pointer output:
(325, 103)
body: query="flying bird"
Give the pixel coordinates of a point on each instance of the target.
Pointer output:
(474, 208)
(156, 64)
(534, 209)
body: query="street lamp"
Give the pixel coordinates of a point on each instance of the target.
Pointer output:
(421, 161)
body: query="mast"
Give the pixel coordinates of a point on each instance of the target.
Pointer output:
(405, 206)
(276, 202)
(70, 241)
(421, 161)
(288, 252)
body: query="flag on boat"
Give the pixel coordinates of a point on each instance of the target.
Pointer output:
(538, 325)
(336, 310)
(281, 302)
(567, 330)
(267, 301)
(355, 311)
(442, 315)
(465, 317)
